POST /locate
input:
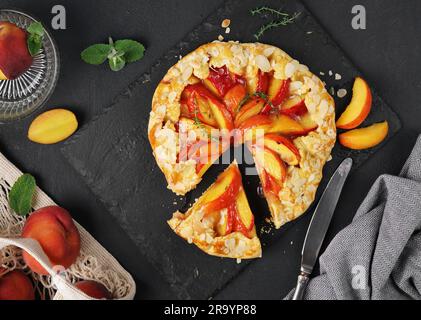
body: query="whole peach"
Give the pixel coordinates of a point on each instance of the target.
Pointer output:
(57, 234)
(15, 285)
(15, 58)
(93, 289)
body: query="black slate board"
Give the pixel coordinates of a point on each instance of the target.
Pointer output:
(113, 155)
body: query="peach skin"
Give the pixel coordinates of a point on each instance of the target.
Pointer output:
(93, 289)
(359, 108)
(15, 285)
(364, 138)
(15, 58)
(57, 234)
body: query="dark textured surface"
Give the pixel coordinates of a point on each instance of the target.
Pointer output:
(124, 176)
(387, 53)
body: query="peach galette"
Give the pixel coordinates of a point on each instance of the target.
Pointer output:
(221, 222)
(230, 92)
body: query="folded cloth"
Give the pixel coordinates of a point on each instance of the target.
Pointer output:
(378, 256)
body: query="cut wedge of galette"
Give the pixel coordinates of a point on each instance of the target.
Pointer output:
(221, 222)
(252, 94)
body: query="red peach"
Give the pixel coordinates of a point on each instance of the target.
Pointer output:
(57, 234)
(15, 58)
(93, 289)
(15, 285)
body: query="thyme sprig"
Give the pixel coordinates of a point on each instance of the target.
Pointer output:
(264, 9)
(258, 94)
(285, 20)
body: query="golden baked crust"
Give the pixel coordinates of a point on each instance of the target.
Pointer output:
(300, 185)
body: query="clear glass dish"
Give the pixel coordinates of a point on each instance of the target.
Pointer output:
(24, 95)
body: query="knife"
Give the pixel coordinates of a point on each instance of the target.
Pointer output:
(319, 225)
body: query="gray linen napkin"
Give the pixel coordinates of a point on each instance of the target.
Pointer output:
(378, 256)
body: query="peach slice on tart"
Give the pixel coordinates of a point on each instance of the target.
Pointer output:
(280, 123)
(221, 80)
(252, 108)
(294, 106)
(244, 221)
(365, 138)
(233, 98)
(283, 146)
(221, 222)
(286, 125)
(198, 105)
(263, 79)
(221, 114)
(359, 108)
(308, 124)
(278, 91)
(270, 161)
(223, 192)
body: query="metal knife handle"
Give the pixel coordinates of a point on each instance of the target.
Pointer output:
(301, 286)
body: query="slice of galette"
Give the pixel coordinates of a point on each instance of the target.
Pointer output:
(220, 222)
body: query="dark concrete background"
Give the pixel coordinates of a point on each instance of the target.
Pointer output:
(387, 53)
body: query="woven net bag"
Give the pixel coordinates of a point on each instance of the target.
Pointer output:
(93, 263)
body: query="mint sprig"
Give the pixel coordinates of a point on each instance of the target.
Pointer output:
(118, 53)
(21, 194)
(36, 35)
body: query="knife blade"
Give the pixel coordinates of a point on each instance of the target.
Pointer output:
(319, 225)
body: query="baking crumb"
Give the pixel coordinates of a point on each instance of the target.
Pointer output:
(196, 272)
(174, 203)
(330, 158)
(238, 260)
(321, 73)
(330, 73)
(220, 38)
(180, 57)
(338, 76)
(228, 30)
(309, 32)
(342, 93)
(291, 243)
(225, 23)
(332, 91)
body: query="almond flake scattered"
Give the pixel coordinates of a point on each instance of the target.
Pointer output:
(332, 91)
(227, 30)
(330, 73)
(220, 38)
(321, 73)
(309, 32)
(342, 93)
(338, 76)
(238, 260)
(225, 23)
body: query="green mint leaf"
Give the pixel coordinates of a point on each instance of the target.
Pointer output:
(117, 62)
(22, 193)
(96, 54)
(36, 35)
(133, 50)
(36, 28)
(34, 43)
